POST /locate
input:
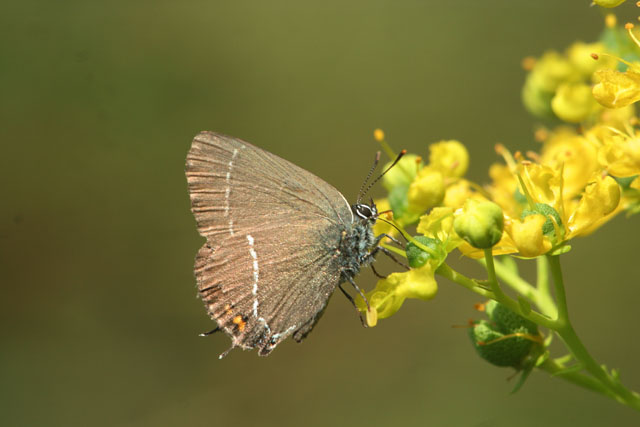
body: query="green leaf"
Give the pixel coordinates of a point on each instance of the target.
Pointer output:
(522, 379)
(569, 370)
(563, 249)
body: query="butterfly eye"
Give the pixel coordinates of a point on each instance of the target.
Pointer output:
(363, 211)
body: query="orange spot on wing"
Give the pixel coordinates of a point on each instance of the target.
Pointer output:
(238, 320)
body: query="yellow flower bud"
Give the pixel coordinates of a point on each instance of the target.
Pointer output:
(480, 223)
(608, 3)
(528, 236)
(449, 157)
(574, 102)
(426, 190)
(551, 70)
(579, 55)
(616, 89)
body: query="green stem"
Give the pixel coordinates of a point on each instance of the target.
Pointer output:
(447, 272)
(561, 298)
(518, 284)
(556, 369)
(580, 353)
(542, 270)
(491, 271)
(505, 300)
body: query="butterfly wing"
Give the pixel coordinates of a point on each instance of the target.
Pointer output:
(269, 264)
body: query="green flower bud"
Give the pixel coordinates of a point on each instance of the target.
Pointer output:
(416, 256)
(507, 321)
(480, 223)
(507, 340)
(403, 173)
(536, 100)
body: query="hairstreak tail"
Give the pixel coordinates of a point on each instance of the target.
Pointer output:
(279, 240)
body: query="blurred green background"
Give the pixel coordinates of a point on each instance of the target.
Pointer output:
(99, 102)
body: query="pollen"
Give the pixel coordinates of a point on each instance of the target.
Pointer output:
(378, 135)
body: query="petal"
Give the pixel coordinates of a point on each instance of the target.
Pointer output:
(617, 89)
(528, 235)
(601, 198)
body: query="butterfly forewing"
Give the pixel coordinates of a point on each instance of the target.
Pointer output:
(268, 266)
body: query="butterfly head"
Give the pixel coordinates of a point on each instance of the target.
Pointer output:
(366, 212)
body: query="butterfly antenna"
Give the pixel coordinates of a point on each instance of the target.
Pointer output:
(364, 184)
(362, 193)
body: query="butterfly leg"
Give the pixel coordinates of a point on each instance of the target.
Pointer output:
(350, 298)
(357, 288)
(213, 331)
(379, 238)
(224, 353)
(378, 275)
(388, 253)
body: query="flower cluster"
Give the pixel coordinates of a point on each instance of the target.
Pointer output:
(536, 202)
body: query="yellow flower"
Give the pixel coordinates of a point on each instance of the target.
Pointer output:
(554, 214)
(426, 190)
(617, 89)
(597, 205)
(543, 183)
(505, 190)
(618, 118)
(390, 293)
(438, 224)
(449, 157)
(580, 56)
(528, 236)
(620, 154)
(576, 153)
(382, 227)
(457, 193)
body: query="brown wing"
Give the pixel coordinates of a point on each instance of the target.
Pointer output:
(272, 228)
